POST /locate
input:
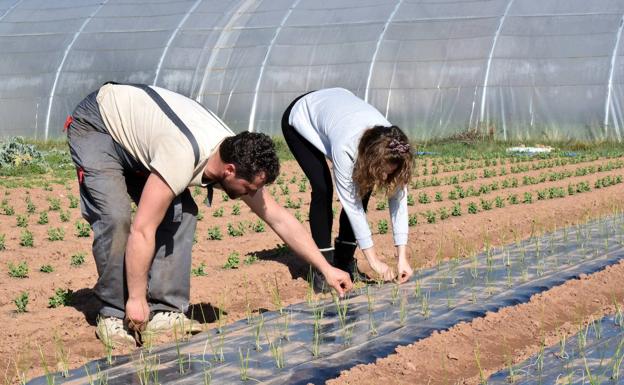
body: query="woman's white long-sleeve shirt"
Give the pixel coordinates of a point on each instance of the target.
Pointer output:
(333, 120)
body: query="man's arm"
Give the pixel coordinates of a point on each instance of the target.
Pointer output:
(155, 200)
(294, 235)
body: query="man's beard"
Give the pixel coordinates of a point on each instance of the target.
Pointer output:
(231, 194)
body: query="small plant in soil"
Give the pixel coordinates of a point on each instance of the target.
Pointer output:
(443, 212)
(61, 297)
(423, 198)
(77, 259)
(472, 208)
(54, 204)
(30, 206)
(456, 211)
(83, 229)
(73, 201)
(27, 239)
(214, 234)
(2, 242)
(258, 328)
(224, 197)
(22, 221)
(438, 196)
(403, 311)
(303, 186)
(46, 268)
(277, 352)
(218, 213)
(199, 271)
(410, 200)
(43, 218)
(62, 355)
(412, 220)
(382, 226)
(18, 271)
(430, 216)
(64, 216)
(293, 204)
(237, 231)
(56, 234)
(381, 205)
(233, 261)
(259, 226)
(236, 209)
(317, 338)
(21, 302)
(251, 259)
(8, 209)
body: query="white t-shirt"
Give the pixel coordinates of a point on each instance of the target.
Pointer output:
(142, 128)
(333, 120)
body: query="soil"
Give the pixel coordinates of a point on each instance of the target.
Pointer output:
(230, 292)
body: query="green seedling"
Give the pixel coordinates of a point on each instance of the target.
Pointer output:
(259, 226)
(2, 242)
(27, 239)
(410, 200)
(77, 259)
(62, 356)
(199, 271)
(106, 340)
(472, 208)
(30, 206)
(403, 311)
(236, 209)
(382, 226)
(21, 302)
(243, 364)
(251, 259)
(46, 370)
(277, 352)
(303, 186)
(224, 197)
(258, 328)
(298, 216)
(456, 211)
(381, 205)
(412, 220)
(394, 293)
(22, 221)
(237, 231)
(482, 377)
(73, 201)
(18, 271)
(43, 218)
(218, 213)
(284, 189)
(430, 216)
(64, 216)
(276, 297)
(83, 229)
(8, 210)
(56, 234)
(233, 261)
(214, 234)
(46, 269)
(424, 305)
(200, 215)
(61, 297)
(438, 196)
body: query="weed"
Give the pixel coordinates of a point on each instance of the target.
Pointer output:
(83, 229)
(214, 234)
(21, 302)
(56, 234)
(61, 297)
(18, 271)
(382, 226)
(199, 271)
(233, 261)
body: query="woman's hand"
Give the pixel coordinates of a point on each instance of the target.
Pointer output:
(405, 270)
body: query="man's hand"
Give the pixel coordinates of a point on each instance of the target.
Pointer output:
(405, 270)
(339, 280)
(137, 313)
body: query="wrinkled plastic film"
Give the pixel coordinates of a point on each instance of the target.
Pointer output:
(373, 321)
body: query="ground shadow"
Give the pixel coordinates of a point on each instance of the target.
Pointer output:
(205, 313)
(282, 254)
(85, 301)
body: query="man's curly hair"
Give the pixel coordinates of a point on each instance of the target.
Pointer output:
(251, 153)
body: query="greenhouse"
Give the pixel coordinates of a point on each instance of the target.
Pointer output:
(514, 69)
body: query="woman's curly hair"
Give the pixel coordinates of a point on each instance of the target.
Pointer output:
(379, 147)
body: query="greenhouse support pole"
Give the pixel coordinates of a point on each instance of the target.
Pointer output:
(60, 67)
(379, 40)
(489, 62)
(608, 101)
(252, 114)
(11, 8)
(173, 36)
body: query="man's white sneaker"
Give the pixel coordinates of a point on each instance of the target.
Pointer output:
(166, 321)
(111, 331)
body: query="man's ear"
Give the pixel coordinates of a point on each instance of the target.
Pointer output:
(229, 169)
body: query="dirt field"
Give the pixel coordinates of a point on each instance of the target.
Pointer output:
(447, 357)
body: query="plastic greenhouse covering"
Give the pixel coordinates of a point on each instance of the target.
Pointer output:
(517, 68)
